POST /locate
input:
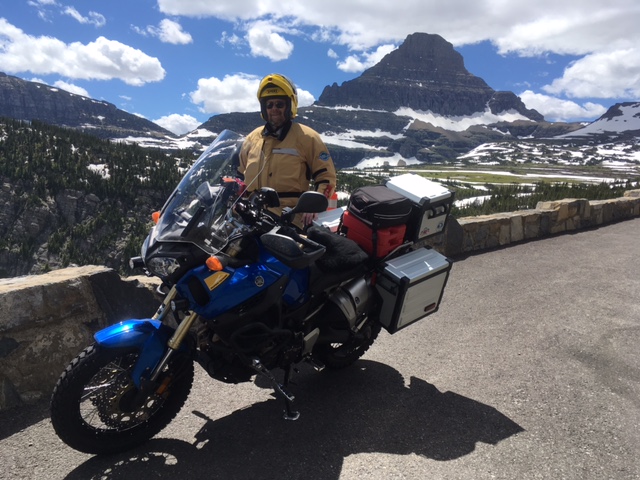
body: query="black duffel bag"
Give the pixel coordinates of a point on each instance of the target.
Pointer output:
(379, 206)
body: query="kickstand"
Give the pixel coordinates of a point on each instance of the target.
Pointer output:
(289, 412)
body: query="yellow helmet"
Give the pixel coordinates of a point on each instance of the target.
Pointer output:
(276, 85)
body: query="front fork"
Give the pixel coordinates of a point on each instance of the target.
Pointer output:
(178, 336)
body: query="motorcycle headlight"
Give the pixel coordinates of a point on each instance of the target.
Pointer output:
(163, 266)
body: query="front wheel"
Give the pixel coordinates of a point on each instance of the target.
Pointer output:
(340, 355)
(95, 407)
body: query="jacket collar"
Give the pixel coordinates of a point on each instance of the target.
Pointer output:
(280, 134)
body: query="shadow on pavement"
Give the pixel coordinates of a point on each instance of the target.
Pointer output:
(16, 419)
(364, 409)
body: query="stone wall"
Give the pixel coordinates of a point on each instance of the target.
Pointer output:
(471, 234)
(45, 320)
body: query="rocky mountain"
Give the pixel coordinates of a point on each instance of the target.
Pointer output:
(612, 141)
(23, 100)
(418, 104)
(621, 121)
(425, 73)
(354, 135)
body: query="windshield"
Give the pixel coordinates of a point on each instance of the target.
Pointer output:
(197, 211)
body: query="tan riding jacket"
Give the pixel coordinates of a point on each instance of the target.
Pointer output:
(295, 164)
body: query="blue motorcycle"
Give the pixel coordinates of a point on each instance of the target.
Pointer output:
(244, 292)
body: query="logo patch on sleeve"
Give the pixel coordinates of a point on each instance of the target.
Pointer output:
(324, 156)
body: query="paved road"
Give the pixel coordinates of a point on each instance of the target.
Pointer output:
(530, 370)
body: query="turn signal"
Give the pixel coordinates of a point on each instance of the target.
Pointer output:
(155, 216)
(214, 264)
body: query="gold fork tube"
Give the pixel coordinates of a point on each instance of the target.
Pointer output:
(176, 340)
(164, 308)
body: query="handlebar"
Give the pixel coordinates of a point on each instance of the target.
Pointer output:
(276, 233)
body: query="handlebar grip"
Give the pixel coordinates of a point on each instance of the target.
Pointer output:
(306, 241)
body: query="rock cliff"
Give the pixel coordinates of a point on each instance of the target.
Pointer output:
(23, 100)
(72, 226)
(424, 73)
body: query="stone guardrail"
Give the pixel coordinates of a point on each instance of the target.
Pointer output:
(47, 319)
(471, 234)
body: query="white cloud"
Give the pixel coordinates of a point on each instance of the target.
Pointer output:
(601, 75)
(41, 7)
(558, 110)
(233, 39)
(178, 124)
(265, 42)
(171, 32)
(69, 87)
(46, 9)
(102, 59)
(228, 10)
(234, 93)
(358, 63)
(305, 98)
(167, 31)
(94, 18)
(351, 64)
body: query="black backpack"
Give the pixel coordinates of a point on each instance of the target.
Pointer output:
(379, 206)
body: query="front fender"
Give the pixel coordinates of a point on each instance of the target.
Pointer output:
(128, 333)
(149, 336)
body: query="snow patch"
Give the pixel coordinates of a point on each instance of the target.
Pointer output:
(628, 120)
(396, 160)
(460, 123)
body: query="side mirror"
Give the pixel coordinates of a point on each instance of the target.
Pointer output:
(309, 202)
(266, 197)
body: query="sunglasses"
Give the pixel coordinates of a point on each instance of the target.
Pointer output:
(277, 105)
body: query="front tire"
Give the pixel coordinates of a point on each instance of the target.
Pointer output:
(93, 407)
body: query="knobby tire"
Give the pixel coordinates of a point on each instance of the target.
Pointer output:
(89, 409)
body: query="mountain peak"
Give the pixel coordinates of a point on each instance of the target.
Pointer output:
(425, 73)
(424, 57)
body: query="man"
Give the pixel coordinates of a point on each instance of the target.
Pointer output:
(284, 155)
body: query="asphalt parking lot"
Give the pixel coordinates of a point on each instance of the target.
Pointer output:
(530, 370)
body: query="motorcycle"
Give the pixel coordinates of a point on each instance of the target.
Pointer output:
(245, 292)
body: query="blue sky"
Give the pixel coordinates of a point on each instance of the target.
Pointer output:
(178, 62)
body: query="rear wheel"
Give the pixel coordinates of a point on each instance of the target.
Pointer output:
(95, 407)
(340, 355)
